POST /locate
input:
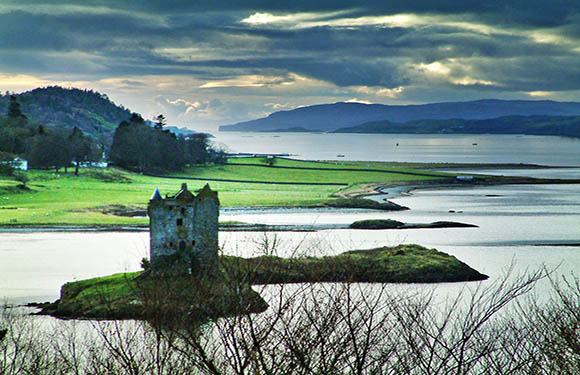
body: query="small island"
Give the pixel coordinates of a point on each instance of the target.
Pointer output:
(395, 224)
(138, 296)
(185, 276)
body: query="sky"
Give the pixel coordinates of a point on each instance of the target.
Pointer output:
(209, 63)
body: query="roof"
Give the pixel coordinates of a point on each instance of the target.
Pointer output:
(206, 192)
(156, 195)
(184, 194)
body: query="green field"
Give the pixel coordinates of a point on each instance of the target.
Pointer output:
(64, 199)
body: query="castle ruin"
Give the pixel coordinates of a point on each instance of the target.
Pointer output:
(184, 229)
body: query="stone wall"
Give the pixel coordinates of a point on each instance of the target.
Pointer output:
(185, 231)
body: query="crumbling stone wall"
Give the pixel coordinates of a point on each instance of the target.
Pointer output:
(184, 229)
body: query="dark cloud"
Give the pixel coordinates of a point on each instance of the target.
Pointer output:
(537, 13)
(531, 74)
(486, 48)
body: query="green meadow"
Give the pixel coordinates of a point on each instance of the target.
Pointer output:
(55, 199)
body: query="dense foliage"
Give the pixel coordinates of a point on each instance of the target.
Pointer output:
(42, 147)
(136, 145)
(140, 147)
(92, 112)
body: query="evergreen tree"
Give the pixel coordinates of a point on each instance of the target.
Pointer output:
(14, 129)
(49, 150)
(14, 111)
(82, 149)
(138, 146)
(160, 122)
(132, 146)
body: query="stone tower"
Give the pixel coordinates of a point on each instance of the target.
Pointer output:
(184, 229)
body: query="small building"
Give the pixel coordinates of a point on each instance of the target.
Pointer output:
(94, 164)
(184, 229)
(17, 163)
(465, 178)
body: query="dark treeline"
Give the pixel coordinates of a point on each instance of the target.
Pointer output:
(138, 146)
(44, 147)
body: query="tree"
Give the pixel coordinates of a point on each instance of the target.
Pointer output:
(14, 129)
(49, 150)
(14, 111)
(129, 142)
(323, 328)
(81, 148)
(21, 177)
(218, 156)
(197, 148)
(164, 150)
(160, 122)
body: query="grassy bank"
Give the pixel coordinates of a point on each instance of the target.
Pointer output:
(88, 199)
(124, 296)
(399, 264)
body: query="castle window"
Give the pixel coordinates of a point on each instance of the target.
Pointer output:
(181, 245)
(179, 222)
(170, 244)
(193, 243)
(182, 210)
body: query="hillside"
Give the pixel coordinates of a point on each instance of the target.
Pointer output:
(330, 117)
(94, 113)
(533, 125)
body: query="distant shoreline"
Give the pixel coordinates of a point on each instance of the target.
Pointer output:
(378, 192)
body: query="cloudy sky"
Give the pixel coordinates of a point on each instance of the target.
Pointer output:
(206, 63)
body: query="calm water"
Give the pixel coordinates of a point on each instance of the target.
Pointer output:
(512, 220)
(411, 147)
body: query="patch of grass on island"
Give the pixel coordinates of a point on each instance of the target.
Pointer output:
(400, 264)
(125, 296)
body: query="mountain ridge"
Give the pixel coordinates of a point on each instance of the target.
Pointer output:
(567, 126)
(334, 116)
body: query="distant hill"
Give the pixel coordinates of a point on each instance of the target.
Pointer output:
(330, 117)
(182, 132)
(568, 126)
(94, 113)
